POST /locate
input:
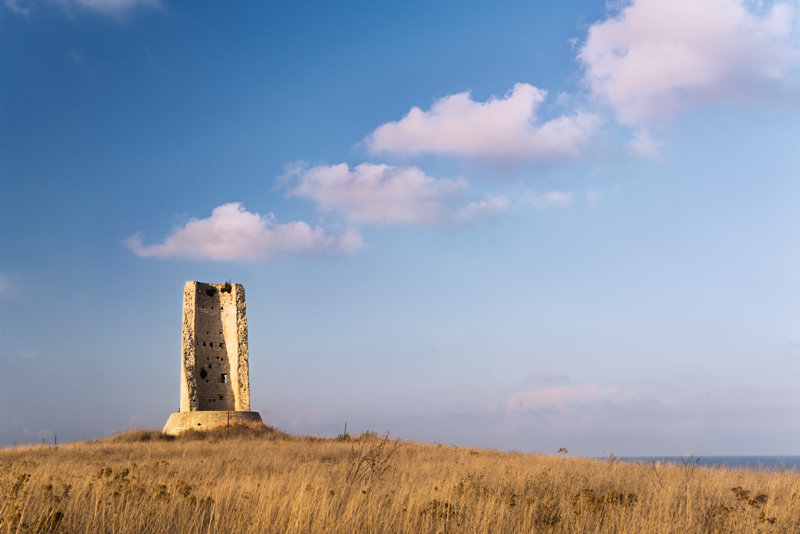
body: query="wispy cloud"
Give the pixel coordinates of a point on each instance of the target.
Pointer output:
(385, 194)
(76, 58)
(112, 7)
(563, 398)
(499, 128)
(20, 7)
(652, 59)
(232, 233)
(543, 375)
(483, 209)
(643, 144)
(552, 199)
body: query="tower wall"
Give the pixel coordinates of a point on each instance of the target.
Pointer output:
(214, 374)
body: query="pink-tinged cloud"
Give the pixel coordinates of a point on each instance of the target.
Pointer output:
(500, 128)
(654, 58)
(232, 233)
(561, 398)
(385, 194)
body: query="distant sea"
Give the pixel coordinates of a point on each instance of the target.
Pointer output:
(768, 463)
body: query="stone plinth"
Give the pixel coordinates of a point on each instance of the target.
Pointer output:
(206, 420)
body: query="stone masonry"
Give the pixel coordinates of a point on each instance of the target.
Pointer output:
(214, 364)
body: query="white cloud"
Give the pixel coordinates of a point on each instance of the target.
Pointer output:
(552, 199)
(562, 398)
(20, 7)
(543, 375)
(385, 194)
(593, 198)
(112, 7)
(643, 144)
(483, 209)
(504, 127)
(654, 58)
(232, 233)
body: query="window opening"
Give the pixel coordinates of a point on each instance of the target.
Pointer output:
(220, 397)
(224, 378)
(203, 373)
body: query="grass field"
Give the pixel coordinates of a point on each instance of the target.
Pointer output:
(250, 480)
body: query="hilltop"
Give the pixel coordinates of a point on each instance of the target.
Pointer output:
(251, 480)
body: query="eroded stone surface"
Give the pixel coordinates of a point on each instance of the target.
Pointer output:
(206, 420)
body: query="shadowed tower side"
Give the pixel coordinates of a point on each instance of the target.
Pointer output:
(215, 382)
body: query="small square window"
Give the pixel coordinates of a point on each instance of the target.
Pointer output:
(220, 397)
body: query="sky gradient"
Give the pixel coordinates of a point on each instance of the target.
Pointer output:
(522, 225)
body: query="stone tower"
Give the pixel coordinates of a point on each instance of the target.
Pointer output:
(215, 381)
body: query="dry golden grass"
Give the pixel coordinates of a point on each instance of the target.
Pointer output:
(246, 480)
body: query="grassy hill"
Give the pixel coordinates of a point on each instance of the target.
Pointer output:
(251, 480)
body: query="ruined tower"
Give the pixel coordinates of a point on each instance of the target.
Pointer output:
(215, 381)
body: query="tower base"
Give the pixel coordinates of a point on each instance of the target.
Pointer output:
(206, 420)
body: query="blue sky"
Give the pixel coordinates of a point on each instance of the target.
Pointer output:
(519, 225)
